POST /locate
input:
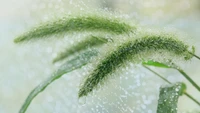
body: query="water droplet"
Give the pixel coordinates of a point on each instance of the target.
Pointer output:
(177, 89)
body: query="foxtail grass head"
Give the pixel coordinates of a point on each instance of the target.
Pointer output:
(76, 24)
(127, 51)
(137, 46)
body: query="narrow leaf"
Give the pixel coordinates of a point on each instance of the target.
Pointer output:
(168, 98)
(156, 64)
(67, 67)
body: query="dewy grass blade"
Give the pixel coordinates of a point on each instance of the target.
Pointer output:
(168, 98)
(125, 52)
(76, 24)
(89, 42)
(69, 66)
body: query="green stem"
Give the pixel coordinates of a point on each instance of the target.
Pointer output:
(188, 95)
(195, 55)
(189, 79)
(157, 74)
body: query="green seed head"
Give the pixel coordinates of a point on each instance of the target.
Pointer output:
(128, 50)
(76, 24)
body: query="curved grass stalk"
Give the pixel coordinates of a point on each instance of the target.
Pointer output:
(192, 98)
(124, 52)
(189, 79)
(79, 23)
(89, 42)
(173, 66)
(164, 79)
(69, 66)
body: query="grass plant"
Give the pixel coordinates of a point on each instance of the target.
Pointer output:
(132, 47)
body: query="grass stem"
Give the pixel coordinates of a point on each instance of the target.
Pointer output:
(195, 55)
(192, 98)
(157, 74)
(189, 79)
(188, 95)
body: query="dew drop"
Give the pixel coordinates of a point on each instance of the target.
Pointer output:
(177, 89)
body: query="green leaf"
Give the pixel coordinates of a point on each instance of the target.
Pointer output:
(169, 64)
(156, 64)
(67, 67)
(168, 98)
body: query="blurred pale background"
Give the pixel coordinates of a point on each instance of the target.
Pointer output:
(22, 67)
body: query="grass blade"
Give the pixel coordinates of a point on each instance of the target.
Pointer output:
(89, 42)
(168, 98)
(69, 66)
(76, 24)
(156, 64)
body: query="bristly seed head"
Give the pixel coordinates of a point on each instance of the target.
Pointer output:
(112, 61)
(80, 23)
